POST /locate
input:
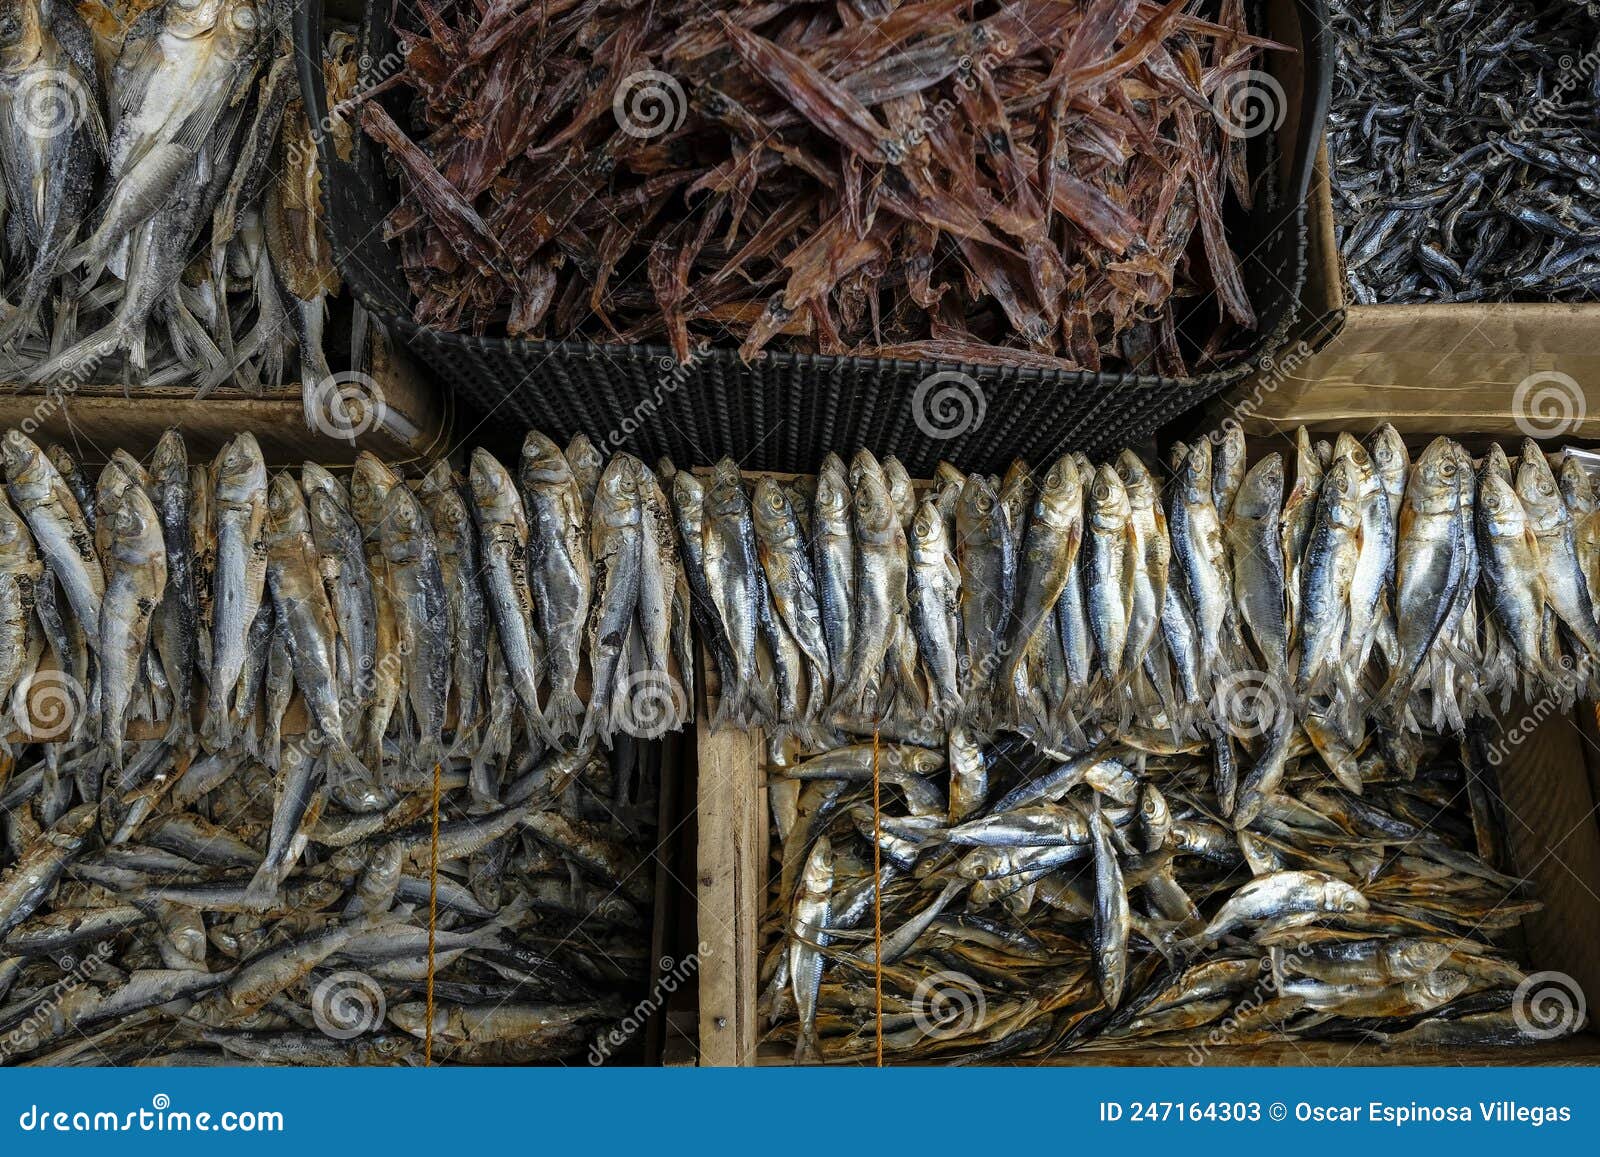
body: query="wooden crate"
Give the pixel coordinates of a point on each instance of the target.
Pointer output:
(94, 420)
(1553, 838)
(1429, 369)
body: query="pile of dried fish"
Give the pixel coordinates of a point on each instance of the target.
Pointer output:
(1026, 912)
(229, 839)
(1373, 599)
(1465, 150)
(1037, 183)
(159, 226)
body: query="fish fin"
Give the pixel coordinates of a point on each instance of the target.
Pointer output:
(563, 713)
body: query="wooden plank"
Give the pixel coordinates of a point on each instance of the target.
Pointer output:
(731, 848)
(95, 419)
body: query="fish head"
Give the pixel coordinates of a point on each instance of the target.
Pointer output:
(1155, 817)
(864, 463)
(240, 470)
(1346, 446)
(1576, 487)
(1059, 500)
(1177, 455)
(583, 456)
(316, 479)
(1307, 466)
(133, 523)
(169, 464)
(286, 506)
(1136, 480)
(412, 1017)
(370, 484)
(1230, 447)
(944, 474)
(132, 467)
(26, 464)
(1388, 452)
(774, 516)
(439, 479)
(1195, 478)
(874, 508)
(831, 502)
(1434, 483)
(927, 527)
(1436, 988)
(1411, 958)
(1499, 509)
(1494, 458)
(114, 479)
(817, 879)
(491, 486)
(402, 524)
(22, 35)
(1261, 493)
(1536, 484)
(689, 496)
(1109, 508)
(543, 463)
(1338, 896)
(1324, 452)
(188, 19)
(616, 499)
(14, 537)
(898, 478)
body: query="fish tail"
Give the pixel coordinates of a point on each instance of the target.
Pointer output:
(806, 1049)
(75, 363)
(262, 890)
(563, 713)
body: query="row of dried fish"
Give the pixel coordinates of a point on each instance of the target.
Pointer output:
(1017, 907)
(1084, 606)
(161, 196)
(1040, 183)
(233, 697)
(1464, 150)
(237, 914)
(405, 624)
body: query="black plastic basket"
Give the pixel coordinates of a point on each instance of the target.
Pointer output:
(787, 410)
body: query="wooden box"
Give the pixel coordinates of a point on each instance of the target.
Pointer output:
(1553, 835)
(1506, 370)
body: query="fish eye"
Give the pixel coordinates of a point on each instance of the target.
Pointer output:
(984, 504)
